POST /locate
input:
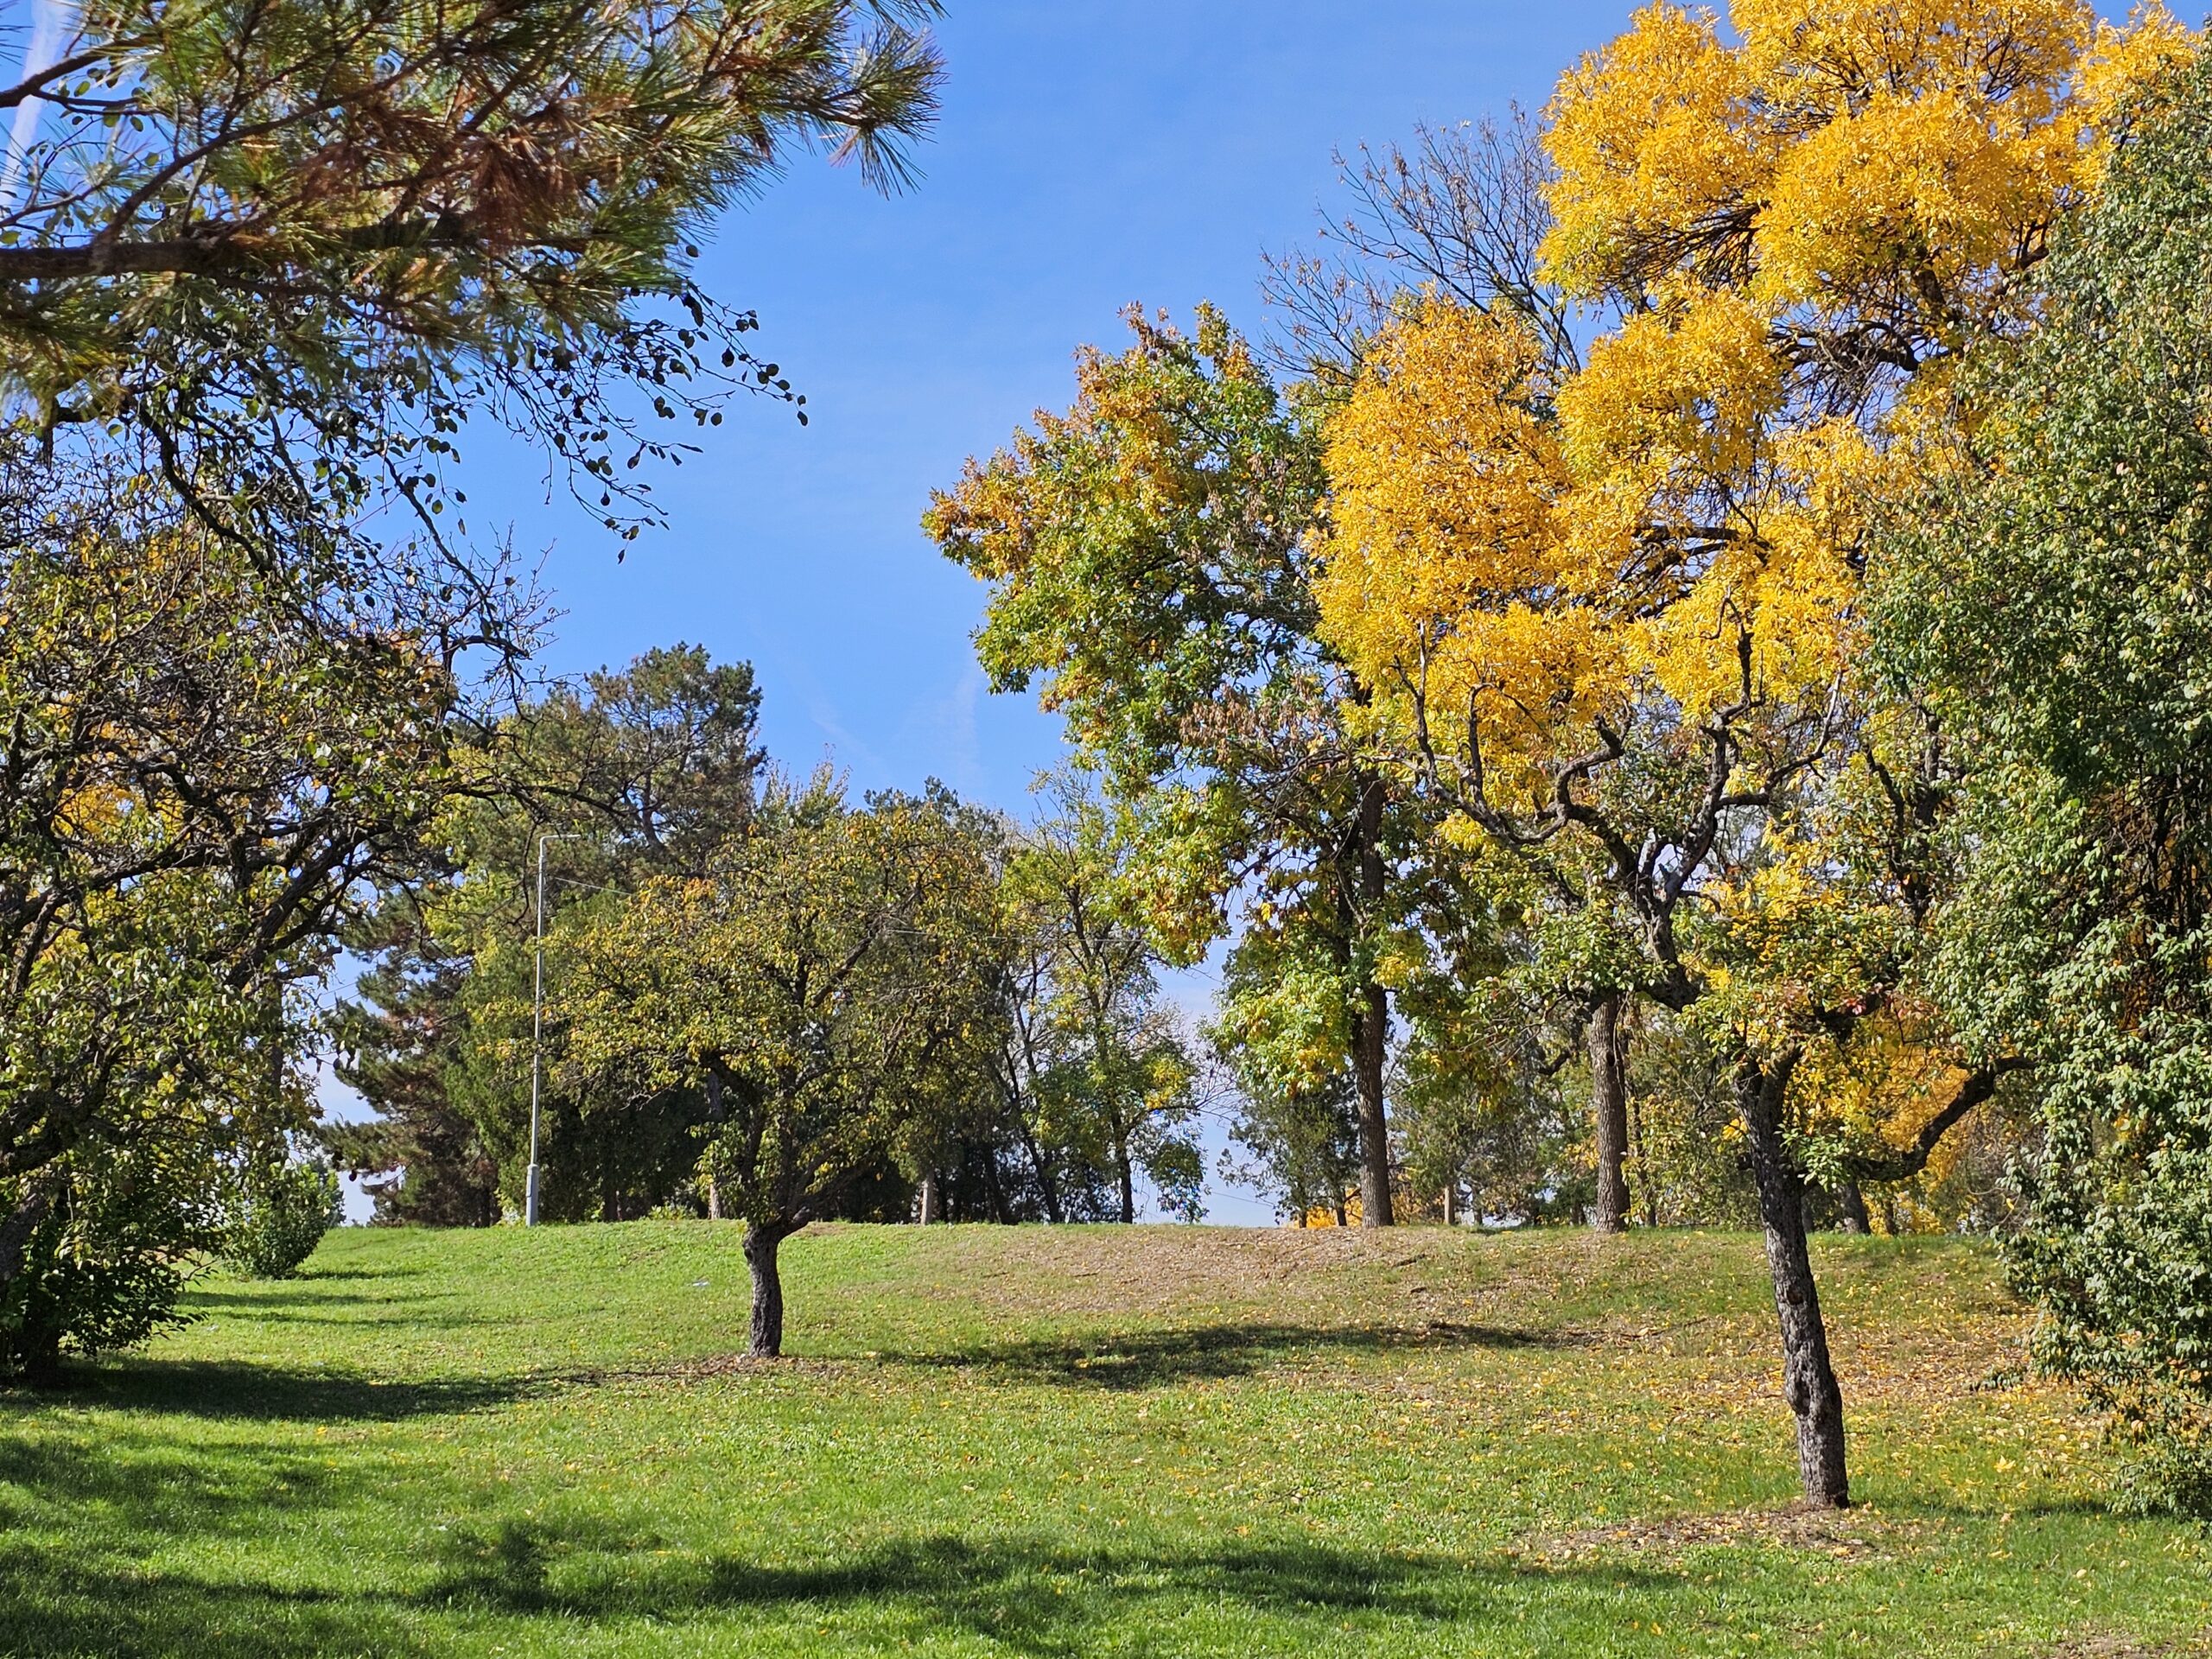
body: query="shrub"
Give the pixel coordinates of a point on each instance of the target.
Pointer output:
(102, 1268)
(280, 1215)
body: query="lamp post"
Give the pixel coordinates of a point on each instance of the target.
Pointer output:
(538, 1031)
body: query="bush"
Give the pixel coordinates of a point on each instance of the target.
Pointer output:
(283, 1212)
(102, 1268)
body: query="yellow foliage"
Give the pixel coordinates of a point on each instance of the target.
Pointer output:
(1685, 389)
(1800, 227)
(2126, 60)
(1838, 145)
(1445, 567)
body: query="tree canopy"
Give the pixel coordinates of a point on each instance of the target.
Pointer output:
(2049, 590)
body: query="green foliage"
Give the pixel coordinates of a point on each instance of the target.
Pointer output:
(397, 1042)
(342, 269)
(814, 979)
(1686, 1163)
(628, 774)
(1102, 1066)
(2058, 602)
(260, 266)
(825, 985)
(109, 1252)
(205, 779)
(283, 1209)
(1150, 570)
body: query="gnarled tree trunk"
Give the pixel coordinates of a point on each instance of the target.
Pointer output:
(761, 1243)
(1807, 1373)
(1608, 1050)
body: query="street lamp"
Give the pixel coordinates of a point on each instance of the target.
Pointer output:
(537, 1031)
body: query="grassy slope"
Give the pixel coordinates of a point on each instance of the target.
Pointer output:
(1071, 1442)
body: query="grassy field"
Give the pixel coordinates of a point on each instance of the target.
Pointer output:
(1077, 1442)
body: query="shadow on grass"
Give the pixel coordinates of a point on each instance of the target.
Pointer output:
(141, 1482)
(221, 1388)
(277, 1301)
(228, 1389)
(339, 1309)
(311, 1273)
(1149, 1359)
(64, 1604)
(1027, 1595)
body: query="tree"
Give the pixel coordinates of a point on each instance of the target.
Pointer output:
(2049, 591)
(812, 983)
(1461, 216)
(259, 264)
(644, 771)
(1613, 616)
(284, 1206)
(1461, 220)
(1146, 554)
(398, 1046)
(198, 783)
(294, 246)
(1109, 1075)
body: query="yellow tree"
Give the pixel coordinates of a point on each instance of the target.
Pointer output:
(1613, 617)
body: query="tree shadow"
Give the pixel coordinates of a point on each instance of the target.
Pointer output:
(60, 1600)
(1148, 1359)
(1026, 1595)
(276, 1302)
(339, 1309)
(313, 1274)
(222, 1388)
(1023, 1595)
(143, 1480)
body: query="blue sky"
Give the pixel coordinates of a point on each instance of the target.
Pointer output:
(1090, 157)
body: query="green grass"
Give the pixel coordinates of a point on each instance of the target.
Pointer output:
(1068, 1442)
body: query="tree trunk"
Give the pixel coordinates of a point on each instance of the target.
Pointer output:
(1370, 1030)
(1128, 1182)
(1853, 1202)
(760, 1246)
(715, 1113)
(1046, 1184)
(1808, 1375)
(1608, 1047)
(993, 1188)
(929, 1200)
(1649, 1185)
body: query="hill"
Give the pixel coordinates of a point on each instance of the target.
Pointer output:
(1069, 1442)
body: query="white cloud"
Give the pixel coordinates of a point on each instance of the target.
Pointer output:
(50, 23)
